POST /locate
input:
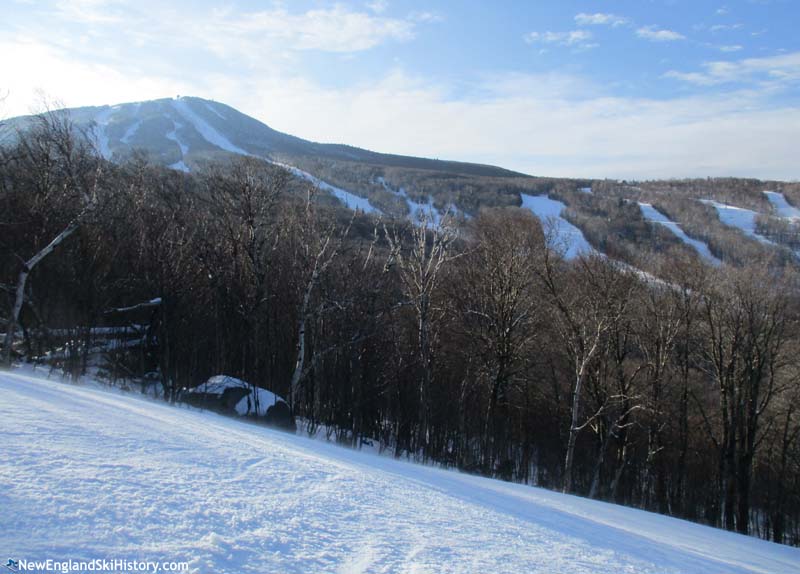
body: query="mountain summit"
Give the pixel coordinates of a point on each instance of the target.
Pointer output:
(184, 131)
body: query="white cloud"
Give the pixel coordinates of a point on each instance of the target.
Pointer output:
(426, 17)
(92, 11)
(578, 38)
(46, 70)
(722, 11)
(731, 48)
(330, 30)
(378, 6)
(226, 32)
(600, 19)
(655, 34)
(772, 71)
(725, 27)
(540, 125)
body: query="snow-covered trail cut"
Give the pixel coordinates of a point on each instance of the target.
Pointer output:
(567, 236)
(782, 207)
(87, 473)
(738, 217)
(653, 215)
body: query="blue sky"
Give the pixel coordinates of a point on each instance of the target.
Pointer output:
(621, 89)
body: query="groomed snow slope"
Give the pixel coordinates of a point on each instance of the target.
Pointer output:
(739, 217)
(782, 207)
(87, 473)
(653, 215)
(350, 200)
(548, 210)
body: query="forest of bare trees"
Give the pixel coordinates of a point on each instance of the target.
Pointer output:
(472, 345)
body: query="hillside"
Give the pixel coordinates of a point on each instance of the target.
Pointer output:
(674, 219)
(484, 343)
(88, 474)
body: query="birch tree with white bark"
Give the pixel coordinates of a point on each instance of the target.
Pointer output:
(57, 173)
(586, 301)
(420, 253)
(318, 242)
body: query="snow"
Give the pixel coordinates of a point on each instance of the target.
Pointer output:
(651, 214)
(417, 212)
(216, 386)
(567, 234)
(215, 111)
(738, 217)
(173, 135)
(180, 166)
(214, 137)
(781, 206)
(205, 129)
(131, 131)
(350, 200)
(101, 123)
(87, 473)
(155, 302)
(132, 329)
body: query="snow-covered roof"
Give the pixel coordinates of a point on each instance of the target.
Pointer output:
(218, 384)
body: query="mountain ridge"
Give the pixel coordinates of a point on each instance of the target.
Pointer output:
(184, 133)
(124, 127)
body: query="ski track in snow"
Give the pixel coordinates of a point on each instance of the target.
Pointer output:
(350, 200)
(421, 211)
(781, 206)
(215, 111)
(173, 136)
(205, 129)
(738, 217)
(567, 234)
(101, 123)
(180, 166)
(651, 214)
(215, 138)
(88, 473)
(131, 131)
(417, 212)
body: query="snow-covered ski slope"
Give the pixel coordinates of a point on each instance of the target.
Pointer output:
(782, 207)
(653, 215)
(86, 473)
(567, 236)
(738, 217)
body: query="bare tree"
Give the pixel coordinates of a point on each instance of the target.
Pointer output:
(318, 244)
(499, 309)
(746, 324)
(586, 300)
(420, 263)
(66, 174)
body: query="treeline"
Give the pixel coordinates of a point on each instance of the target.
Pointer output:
(612, 222)
(477, 347)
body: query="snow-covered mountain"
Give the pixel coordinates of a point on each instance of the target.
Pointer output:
(180, 132)
(89, 474)
(711, 220)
